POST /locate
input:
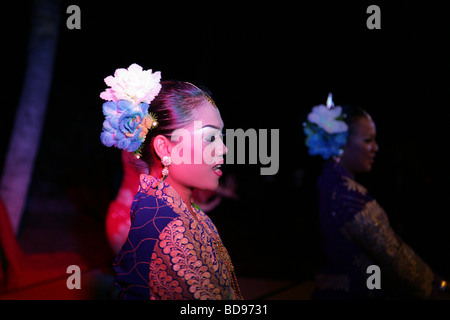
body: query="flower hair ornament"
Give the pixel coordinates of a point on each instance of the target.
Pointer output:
(325, 130)
(128, 99)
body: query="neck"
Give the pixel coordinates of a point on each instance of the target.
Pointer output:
(352, 174)
(184, 192)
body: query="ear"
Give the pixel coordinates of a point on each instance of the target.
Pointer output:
(162, 146)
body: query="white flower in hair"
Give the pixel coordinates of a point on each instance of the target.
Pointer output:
(133, 84)
(326, 132)
(329, 117)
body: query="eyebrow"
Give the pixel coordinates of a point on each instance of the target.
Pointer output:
(211, 126)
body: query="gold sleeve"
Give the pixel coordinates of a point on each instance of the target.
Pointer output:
(370, 228)
(184, 266)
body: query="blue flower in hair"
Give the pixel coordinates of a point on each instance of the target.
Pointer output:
(127, 119)
(126, 124)
(321, 143)
(326, 132)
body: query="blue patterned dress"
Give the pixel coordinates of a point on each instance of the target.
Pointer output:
(356, 234)
(169, 254)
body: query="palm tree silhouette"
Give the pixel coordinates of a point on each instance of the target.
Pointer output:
(30, 114)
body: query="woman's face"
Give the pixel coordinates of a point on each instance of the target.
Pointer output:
(361, 147)
(198, 150)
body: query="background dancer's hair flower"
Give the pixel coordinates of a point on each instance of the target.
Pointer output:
(325, 130)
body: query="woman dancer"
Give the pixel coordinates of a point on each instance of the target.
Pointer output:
(173, 250)
(357, 237)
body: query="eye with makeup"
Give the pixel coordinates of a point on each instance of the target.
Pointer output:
(369, 140)
(211, 137)
(211, 133)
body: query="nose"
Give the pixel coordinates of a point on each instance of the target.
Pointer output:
(221, 149)
(375, 147)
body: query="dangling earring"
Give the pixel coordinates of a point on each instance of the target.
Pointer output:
(337, 158)
(166, 161)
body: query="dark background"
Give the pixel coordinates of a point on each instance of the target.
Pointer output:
(266, 65)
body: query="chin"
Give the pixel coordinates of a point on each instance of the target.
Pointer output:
(208, 185)
(214, 186)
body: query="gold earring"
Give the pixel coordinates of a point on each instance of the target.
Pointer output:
(166, 161)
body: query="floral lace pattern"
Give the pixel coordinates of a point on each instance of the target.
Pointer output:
(182, 262)
(357, 233)
(372, 230)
